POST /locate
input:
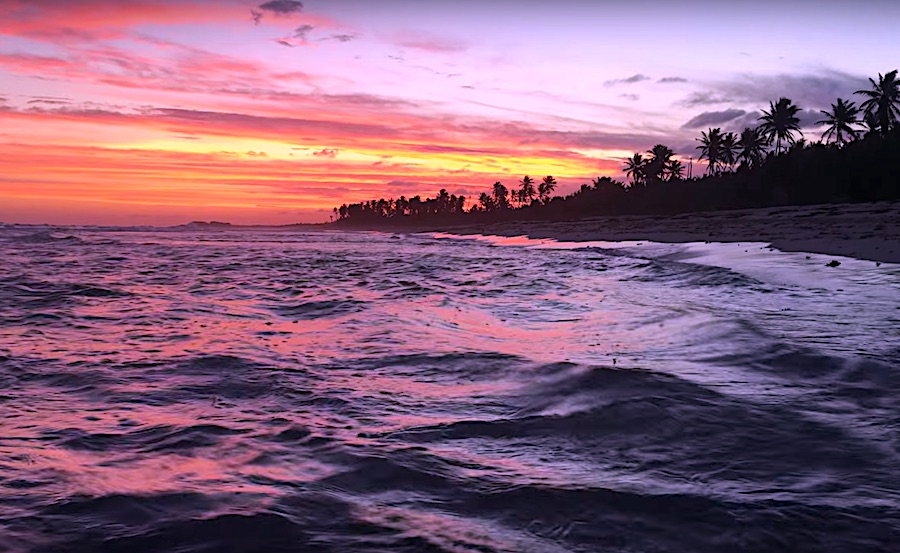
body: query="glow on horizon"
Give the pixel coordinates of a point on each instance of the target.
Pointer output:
(158, 112)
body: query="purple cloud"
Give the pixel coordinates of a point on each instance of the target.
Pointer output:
(628, 80)
(282, 7)
(708, 118)
(277, 8)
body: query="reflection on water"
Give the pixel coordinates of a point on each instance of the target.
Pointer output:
(255, 391)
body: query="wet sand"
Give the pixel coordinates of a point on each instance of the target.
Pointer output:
(868, 231)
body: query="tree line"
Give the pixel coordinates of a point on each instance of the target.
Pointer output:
(770, 164)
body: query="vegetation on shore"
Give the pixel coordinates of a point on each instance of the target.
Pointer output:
(772, 164)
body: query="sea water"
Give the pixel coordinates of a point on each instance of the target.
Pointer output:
(250, 391)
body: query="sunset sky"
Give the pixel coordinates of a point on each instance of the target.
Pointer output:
(157, 112)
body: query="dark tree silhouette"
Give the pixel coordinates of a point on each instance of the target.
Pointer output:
(546, 188)
(751, 148)
(729, 150)
(870, 121)
(500, 195)
(655, 166)
(527, 191)
(883, 101)
(780, 122)
(634, 167)
(711, 149)
(840, 120)
(675, 169)
(486, 201)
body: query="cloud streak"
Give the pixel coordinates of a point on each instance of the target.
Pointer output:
(709, 118)
(628, 80)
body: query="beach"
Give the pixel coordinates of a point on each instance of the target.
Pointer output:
(868, 231)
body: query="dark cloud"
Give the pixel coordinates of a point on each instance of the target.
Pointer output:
(628, 80)
(284, 42)
(276, 7)
(251, 153)
(810, 91)
(327, 152)
(749, 119)
(702, 99)
(809, 118)
(302, 32)
(632, 97)
(282, 7)
(343, 38)
(49, 102)
(672, 80)
(708, 118)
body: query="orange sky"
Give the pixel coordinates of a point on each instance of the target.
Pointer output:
(161, 112)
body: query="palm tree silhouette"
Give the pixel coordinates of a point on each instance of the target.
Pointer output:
(842, 115)
(545, 188)
(751, 148)
(780, 122)
(634, 167)
(527, 191)
(486, 201)
(443, 201)
(883, 100)
(870, 121)
(729, 150)
(711, 149)
(675, 169)
(500, 196)
(654, 168)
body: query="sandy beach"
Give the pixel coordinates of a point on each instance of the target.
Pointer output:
(869, 231)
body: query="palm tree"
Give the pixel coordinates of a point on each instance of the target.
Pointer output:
(603, 183)
(487, 202)
(515, 196)
(545, 188)
(780, 122)
(883, 100)
(500, 196)
(870, 120)
(842, 115)
(729, 150)
(675, 169)
(634, 167)
(443, 201)
(655, 167)
(527, 190)
(401, 206)
(751, 148)
(711, 149)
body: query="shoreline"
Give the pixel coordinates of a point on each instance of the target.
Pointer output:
(867, 231)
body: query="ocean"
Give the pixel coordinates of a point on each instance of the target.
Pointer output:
(253, 391)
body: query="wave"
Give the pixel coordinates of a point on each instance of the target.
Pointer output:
(45, 237)
(312, 310)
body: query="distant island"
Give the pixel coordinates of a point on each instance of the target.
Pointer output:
(770, 165)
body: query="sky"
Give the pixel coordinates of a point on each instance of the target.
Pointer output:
(157, 112)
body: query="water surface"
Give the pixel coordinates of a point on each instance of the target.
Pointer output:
(267, 391)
